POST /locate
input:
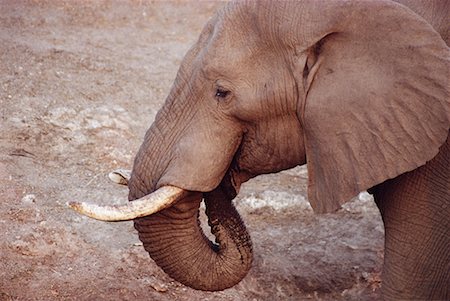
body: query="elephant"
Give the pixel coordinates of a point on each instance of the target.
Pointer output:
(357, 90)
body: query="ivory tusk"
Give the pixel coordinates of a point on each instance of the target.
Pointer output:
(160, 199)
(120, 176)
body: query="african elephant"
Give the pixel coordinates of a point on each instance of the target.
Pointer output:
(359, 90)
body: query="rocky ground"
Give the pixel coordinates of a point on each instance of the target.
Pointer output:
(80, 82)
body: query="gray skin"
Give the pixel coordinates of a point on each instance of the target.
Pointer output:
(359, 90)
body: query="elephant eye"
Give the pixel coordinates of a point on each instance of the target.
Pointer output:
(222, 93)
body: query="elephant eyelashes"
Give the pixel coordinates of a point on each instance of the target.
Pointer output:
(221, 93)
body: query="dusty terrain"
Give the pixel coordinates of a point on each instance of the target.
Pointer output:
(80, 82)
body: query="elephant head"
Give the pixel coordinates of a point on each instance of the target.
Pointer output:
(358, 90)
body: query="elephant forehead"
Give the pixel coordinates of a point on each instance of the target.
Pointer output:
(233, 46)
(232, 40)
(230, 58)
(226, 65)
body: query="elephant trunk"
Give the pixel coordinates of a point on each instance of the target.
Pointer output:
(176, 242)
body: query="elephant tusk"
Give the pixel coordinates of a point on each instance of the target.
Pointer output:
(160, 199)
(120, 176)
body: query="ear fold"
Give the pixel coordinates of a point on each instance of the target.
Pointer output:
(378, 103)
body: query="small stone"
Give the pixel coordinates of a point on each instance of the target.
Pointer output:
(29, 199)
(159, 287)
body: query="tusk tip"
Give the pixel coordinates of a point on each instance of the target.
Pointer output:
(77, 206)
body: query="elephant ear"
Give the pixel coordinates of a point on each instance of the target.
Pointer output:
(377, 99)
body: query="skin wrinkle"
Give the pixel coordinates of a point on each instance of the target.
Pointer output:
(159, 227)
(181, 234)
(163, 244)
(172, 236)
(404, 110)
(196, 255)
(366, 122)
(169, 140)
(169, 267)
(178, 256)
(176, 259)
(295, 87)
(422, 234)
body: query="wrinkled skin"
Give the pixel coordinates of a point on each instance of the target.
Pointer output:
(362, 97)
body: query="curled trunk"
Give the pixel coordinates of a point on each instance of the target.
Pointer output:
(175, 241)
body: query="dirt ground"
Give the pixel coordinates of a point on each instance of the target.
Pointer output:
(80, 82)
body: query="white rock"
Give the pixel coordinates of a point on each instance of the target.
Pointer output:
(277, 200)
(29, 199)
